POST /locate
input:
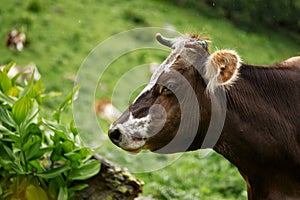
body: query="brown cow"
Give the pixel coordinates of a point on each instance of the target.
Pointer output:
(16, 40)
(255, 110)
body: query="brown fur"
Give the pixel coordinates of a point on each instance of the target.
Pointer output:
(262, 130)
(261, 133)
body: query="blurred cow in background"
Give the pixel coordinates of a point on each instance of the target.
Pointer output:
(16, 40)
(106, 110)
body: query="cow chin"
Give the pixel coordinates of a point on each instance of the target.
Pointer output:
(157, 144)
(132, 145)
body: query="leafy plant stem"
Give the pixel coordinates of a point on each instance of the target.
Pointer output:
(23, 156)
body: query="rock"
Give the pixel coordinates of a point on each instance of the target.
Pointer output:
(112, 182)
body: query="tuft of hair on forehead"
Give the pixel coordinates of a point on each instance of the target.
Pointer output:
(199, 36)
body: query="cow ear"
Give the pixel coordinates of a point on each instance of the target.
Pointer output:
(222, 68)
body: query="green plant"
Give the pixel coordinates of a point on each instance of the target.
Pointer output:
(40, 156)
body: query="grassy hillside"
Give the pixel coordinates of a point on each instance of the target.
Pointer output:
(62, 33)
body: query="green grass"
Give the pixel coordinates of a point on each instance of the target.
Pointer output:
(193, 177)
(62, 33)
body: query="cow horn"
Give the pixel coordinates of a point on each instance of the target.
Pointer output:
(165, 41)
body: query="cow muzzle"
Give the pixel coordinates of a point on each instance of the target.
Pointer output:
(131, 143)
(115, 136)
(130, 134)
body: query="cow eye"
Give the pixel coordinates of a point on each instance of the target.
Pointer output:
(168, 89)
(164, 89)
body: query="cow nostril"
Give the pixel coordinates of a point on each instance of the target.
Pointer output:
(115, 136)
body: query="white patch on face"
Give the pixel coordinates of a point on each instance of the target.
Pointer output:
(134, 132)
(135, 125)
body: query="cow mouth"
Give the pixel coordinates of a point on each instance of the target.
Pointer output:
(136, 145)
(132, 150)
(138, 139)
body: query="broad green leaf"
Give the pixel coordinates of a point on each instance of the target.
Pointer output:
(77, 154)
(73, 156)
(9, 160)
(3, 129)
(86, 171)
(14, 91)
(6, 164)
(61, 133)
(31, 116)
(9, 152)
(40, 153)
(5, 117)
(57, 153)
(36, 91)
(57, 128)
(21, 109)
(36, 165)
(34, 192)
(8, 67)
(32, 147)
(72, 190)
(7, 99)
(32, 129)
(63, 193)
(67, 146)
(12, 167)
(73, 128)
(17, 168)
(5, 132)
(11, 139)
(28, 86)
(53, 172)
(31, 141)
(5, 82)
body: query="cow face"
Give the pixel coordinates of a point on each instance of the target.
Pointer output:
(172, 113)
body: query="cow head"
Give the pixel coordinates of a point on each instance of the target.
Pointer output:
(172, 113)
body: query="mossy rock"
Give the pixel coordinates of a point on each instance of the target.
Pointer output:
(112, 182)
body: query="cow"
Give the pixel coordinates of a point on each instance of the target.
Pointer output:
(16, 40)
(256, 109)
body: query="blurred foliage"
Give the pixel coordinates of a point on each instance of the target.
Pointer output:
(39, 156)
(251, 15)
